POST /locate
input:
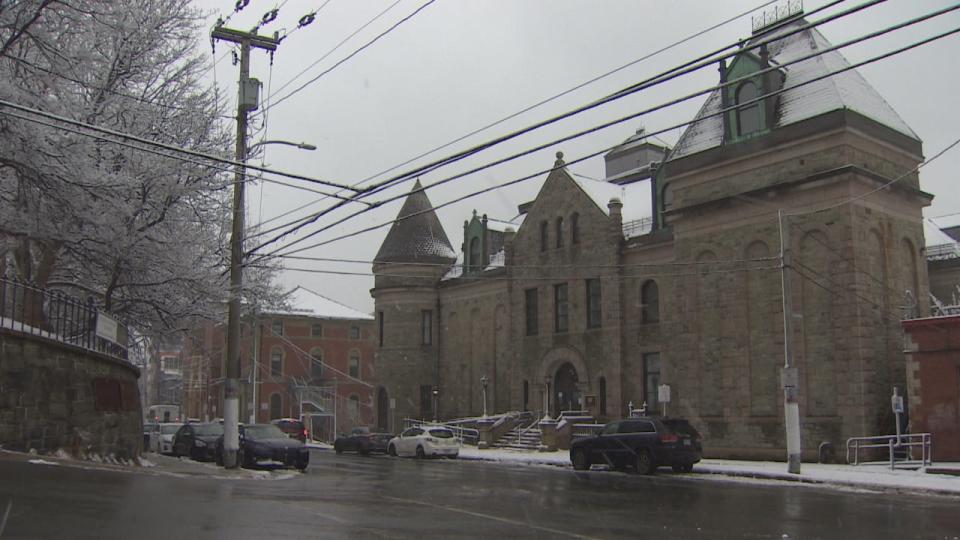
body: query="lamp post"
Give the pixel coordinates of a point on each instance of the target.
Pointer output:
(231, 417)
(546, 397)
(436, 405)
(483, 383)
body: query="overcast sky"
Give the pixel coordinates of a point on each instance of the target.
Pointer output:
(460, 65)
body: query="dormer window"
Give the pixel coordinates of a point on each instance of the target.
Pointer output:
(748, 116)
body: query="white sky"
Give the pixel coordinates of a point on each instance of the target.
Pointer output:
(459, 65)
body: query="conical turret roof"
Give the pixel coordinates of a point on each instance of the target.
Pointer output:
(418, 238)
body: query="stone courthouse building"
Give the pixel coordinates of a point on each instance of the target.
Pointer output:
(599, 296)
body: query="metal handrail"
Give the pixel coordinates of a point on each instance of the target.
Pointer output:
(57, 316)
(464, 435)
(893, 443)
(585, 430)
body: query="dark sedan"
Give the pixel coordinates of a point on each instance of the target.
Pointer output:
(267, 445)
(641, 443)
(362, 440)
(199, 441)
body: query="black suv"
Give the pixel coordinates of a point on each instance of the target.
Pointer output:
(642, 443)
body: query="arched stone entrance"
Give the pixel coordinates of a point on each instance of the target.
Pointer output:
(383, 410)
(566, 393)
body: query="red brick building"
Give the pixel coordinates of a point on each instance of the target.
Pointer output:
(313, 358)
(933, 381)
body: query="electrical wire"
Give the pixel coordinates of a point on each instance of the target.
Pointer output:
(620, 120)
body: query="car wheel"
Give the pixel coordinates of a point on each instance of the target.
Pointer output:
(420, 453)
(580, 459)
(644, 463)
(243, 460)
(392, 450)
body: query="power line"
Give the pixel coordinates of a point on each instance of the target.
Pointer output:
(351, 55)
(620, 120)
(304, 21)
(172, 148)
(688, 67)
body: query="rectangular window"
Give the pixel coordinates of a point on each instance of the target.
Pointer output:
(594, 315)
(561, 313)
(316, 330)
(277, 327)
(355, 364)
(354, 332)
(651, 379)
(276, 363)
(533, 313)
(426, 401)
(380, 329)
(426, 327)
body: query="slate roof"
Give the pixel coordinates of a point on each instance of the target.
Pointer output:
(848, 90)
(303, 302)
(420, 238)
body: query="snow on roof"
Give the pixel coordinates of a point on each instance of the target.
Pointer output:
(934, 236)
(635, 197)
(303, 302)
(847, 90)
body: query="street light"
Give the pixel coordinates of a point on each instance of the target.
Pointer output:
(300, 145)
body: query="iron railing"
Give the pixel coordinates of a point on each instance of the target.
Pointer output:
(585, 430)
(899, 449)
(463, 434)
(55, 315)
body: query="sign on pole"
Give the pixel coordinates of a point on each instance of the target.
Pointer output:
(106, 327)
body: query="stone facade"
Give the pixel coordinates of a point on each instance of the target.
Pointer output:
(55, 396)
(589, 311)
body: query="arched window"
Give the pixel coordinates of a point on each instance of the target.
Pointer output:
(602, 395)
(575, 228)
(544, 236)
(474, 254)
(276, 406)
(276, 362)
(649, 303)
(748, 116)
(559, 232)
(316, 363)
(353, 408)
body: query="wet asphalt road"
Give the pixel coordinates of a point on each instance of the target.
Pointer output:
(349, 496)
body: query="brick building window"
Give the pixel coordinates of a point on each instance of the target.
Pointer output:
(276, 362)
(426, 400)
(316, 330)
(353, 408)
(532, 311)
(559, 232)
(354, 332)
(426, 327)
(544, 236)
(649, 303)
(651, 378)
(594, 315)
(316, 363)
(277, 327)
(276, 406)
(561, 315)
(575, 228)
(354, 365)
(380, 326)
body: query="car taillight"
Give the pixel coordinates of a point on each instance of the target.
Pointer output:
(306, 433)
(669, 438)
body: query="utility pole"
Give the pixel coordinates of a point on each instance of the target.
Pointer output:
(789, 377)
(246, 102)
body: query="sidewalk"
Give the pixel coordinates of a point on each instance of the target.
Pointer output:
(864, 476)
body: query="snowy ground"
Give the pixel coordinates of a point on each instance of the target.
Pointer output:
(863, 476)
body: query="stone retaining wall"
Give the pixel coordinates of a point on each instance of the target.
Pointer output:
(55, 396)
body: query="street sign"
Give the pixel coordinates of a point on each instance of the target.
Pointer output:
(897, 403)
(790, 377)
(106, 328)
(663, 393)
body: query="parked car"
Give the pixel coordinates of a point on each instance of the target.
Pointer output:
(148, 429)
(266, 444)
(161, 437)
(199, 441)
(643, 443)
(423, 441)
(362, 440)
(293, 428)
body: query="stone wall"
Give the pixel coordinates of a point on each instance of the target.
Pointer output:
(59, 397)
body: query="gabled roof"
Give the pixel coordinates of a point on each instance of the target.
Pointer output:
(847, 90)
(635, 197)
(302, 302)
(419, 238)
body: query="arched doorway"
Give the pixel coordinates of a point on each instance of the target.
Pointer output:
(383, 410)
(566, 396)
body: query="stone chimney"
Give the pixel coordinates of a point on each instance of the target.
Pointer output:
(616, 217)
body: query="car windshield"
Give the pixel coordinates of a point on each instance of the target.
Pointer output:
(441, 433)
(208, 429)
(169, 429)
(268, 431)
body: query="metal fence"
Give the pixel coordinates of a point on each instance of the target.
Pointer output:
(55, 315)
(464, 435)
(900, 449)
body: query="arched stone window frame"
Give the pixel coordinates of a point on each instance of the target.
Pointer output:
(575, 228)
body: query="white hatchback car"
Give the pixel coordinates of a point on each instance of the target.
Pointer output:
(423, 441)
(161, 438)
